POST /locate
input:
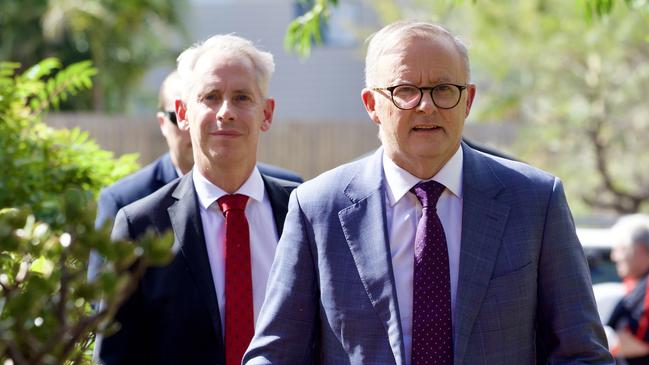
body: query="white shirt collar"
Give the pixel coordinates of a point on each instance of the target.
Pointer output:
(208, 193)
(400, 181)
(178, 172)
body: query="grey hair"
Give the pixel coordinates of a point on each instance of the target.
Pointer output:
(631, 230)
(229, 44)
(170, 89)
(389, 35)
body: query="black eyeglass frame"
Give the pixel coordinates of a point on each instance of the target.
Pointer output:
(171, 115)
(430, 89)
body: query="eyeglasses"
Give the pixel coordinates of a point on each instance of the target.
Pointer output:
(406, 97)
(171, 115)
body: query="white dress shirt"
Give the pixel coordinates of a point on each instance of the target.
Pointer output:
(403, 211)
(263, 235)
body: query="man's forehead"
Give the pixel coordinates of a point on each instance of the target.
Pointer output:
(420, 60)
(400, 46)
(215, 61)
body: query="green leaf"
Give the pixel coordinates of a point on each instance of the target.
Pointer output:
(43, 266)
(42, 69)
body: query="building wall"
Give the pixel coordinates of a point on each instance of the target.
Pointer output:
(326, 86)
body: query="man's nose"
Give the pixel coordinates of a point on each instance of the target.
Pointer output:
(225, 111)
(426, 104)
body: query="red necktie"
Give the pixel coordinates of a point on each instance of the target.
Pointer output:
(432, 333)
(239, 317)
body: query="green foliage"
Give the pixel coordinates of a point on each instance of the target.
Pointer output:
(49, 181)
(41, 162)
(45, 299)
(572, 75)
(305, 30)
(602, 8)
(575, 86)
(123, 38)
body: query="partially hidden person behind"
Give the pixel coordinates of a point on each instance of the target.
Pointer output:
(427, 252)
(173, 164)
(630, 318)
(226, 217)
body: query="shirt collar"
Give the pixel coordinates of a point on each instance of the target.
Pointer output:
(208, 193)
(400, 181)
(178, 172)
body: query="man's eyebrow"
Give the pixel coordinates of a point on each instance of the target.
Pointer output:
(207, 88)
(243, 90)
(443, 79)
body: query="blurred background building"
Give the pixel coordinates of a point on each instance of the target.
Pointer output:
(319, 121)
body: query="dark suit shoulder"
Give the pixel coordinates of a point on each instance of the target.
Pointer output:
(287, 185)
(148, 212)
(278, 172)
(159, 199)
(138, 184)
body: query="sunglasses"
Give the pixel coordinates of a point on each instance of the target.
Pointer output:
(171, 115)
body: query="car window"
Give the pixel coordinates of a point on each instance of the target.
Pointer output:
(597, 249)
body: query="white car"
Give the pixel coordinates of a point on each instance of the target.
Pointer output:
(597, 247)
(607, 285)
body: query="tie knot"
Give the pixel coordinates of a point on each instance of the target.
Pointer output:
(428, 192)
(232, 202)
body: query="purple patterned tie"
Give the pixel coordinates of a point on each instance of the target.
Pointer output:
(432, 334)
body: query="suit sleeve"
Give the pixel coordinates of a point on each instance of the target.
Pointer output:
(106, 208)
(569, 326)
(127, 345)
(287, 324)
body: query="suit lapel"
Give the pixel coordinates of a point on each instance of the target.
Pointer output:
(278, 196)
(483, 224)
(364, 226)
(186, 222)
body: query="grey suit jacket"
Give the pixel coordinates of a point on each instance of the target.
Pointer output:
(524, 292)
(173, 317)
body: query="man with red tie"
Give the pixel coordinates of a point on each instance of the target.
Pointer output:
(226, 217)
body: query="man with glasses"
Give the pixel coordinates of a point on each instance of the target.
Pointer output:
(427, 252)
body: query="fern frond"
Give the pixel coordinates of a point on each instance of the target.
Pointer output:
(66, 82)
(42, 69)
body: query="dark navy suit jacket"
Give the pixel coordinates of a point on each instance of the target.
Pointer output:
(173, 317)
(146, 181)
(151, 178)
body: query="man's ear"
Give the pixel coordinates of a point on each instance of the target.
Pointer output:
(470, 96)
(370, 105)
(161, 122)
(269, 108)
(181, 114)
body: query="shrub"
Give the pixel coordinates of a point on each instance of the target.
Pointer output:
(47, 188)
